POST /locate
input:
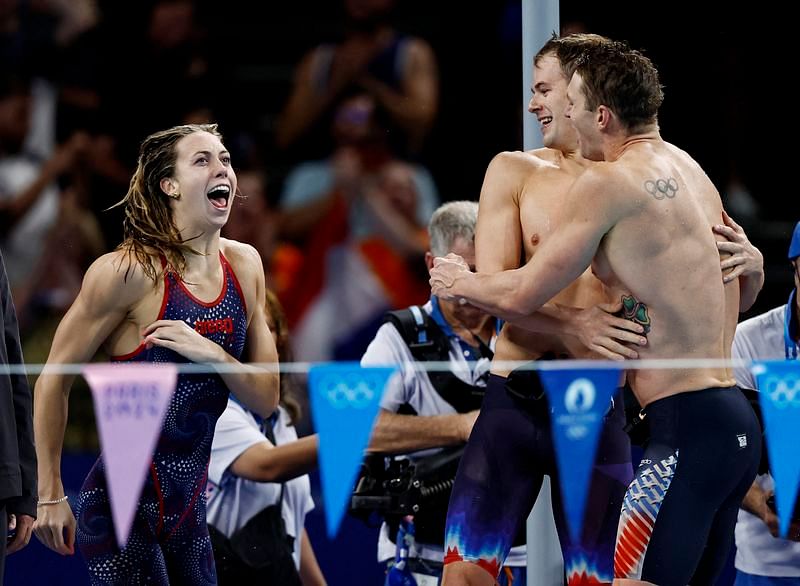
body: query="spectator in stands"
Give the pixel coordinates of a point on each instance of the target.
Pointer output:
(360, 217)
(399, 71)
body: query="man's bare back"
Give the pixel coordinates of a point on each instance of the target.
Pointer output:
(663, 252)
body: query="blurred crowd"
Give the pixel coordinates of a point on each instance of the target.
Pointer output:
(343, 238)
(337, 181)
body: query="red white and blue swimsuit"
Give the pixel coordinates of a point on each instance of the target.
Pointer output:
(169, 541)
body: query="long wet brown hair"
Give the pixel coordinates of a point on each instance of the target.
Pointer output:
(149, 226)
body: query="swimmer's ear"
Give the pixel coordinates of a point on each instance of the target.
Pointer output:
(604, 115)
(169, 187)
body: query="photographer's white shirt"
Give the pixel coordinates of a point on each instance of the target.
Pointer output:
(232, 500)
(757, 551)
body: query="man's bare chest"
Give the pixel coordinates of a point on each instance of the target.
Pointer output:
(540, 204)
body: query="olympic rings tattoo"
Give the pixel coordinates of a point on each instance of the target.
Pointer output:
(661, 188)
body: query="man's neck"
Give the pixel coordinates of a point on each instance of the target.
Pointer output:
(618, 143)
(574, 158)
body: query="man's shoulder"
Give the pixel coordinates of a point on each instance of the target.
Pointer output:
(527, 161)
(613, 179)
(544, 155)
(618, 171)
(649, 160)
(769, 320)
(400, 326)
(388, 345)
(512, 172)
(414, 48)
(760, 336)
(405, 322)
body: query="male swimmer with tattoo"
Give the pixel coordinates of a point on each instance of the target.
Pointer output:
(643, 222)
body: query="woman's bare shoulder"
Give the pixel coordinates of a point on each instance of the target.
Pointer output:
(116, 278)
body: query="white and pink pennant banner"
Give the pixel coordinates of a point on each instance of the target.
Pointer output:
(129, 402)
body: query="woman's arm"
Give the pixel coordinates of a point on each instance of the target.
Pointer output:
(101, 306)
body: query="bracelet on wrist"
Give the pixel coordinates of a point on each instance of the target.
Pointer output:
(52, 502)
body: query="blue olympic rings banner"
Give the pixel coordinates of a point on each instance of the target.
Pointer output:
(344, 402)
(779, 385)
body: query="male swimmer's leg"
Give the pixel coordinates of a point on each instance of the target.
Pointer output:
(498, 479)
(687, 545)
(719, 544)
(656, 494)
(702, 457)
(721, 535)
(591, 562)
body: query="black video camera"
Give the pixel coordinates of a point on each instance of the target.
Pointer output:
(393, 487)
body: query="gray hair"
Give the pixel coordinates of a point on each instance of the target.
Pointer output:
(448, 222)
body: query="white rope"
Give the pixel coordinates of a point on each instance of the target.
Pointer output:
(431, 366)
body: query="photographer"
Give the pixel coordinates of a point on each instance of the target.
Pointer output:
(763, 558)
(423, 410)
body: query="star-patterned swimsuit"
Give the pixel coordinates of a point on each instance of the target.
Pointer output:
(169, 541)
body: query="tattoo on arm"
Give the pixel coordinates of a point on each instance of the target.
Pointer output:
(661, 188)
(636, 311)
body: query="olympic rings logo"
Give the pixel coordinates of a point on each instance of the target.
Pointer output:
(783, 391)
(661, 188)
(355, 392)
(577, 432)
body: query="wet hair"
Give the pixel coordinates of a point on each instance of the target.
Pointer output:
(624, 80)
(288, 384)
(149, 225)
(569, 49)
(448, 222)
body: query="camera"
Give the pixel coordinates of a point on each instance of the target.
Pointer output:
(393, 487)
